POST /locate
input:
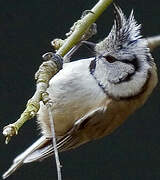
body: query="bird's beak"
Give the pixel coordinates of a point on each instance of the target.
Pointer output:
(90, 45)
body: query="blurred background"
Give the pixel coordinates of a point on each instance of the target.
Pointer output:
(132, 152)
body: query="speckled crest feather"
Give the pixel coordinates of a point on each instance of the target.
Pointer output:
(124, 34)
(124, 30)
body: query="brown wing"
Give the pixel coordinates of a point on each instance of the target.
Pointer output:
(73, 138)
(43, 147)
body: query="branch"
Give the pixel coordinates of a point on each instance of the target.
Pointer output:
(153, 42)
(47, 70)
(86, 22)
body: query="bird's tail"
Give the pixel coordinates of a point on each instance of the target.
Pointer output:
(31, 154)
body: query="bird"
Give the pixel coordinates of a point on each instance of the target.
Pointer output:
(92, 97)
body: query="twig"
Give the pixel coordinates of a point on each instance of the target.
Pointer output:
(49, 69)
(153, 42)
(90, 18)
(54, 142)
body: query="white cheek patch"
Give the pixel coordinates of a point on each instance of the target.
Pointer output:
(133, 84)
(119, 72)
(130, 88)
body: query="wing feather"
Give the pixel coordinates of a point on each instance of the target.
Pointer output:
(43, 147)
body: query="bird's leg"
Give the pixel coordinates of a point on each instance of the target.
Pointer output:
(46, 71)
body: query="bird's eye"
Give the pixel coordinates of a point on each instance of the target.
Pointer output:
(110, 59)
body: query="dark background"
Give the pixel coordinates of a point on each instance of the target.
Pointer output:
(132, 152)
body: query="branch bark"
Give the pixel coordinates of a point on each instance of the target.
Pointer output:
(49, 69)
(90, 18)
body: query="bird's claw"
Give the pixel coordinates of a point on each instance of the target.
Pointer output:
(9, 131)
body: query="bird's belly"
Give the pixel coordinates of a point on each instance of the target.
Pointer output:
(66, 113)
(73, 96)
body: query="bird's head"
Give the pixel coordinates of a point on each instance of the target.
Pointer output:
(122, 58)
(124, 42)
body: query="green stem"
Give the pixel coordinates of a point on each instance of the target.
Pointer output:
(86, 22)
(48, 69)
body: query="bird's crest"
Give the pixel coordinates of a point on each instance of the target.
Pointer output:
(125, 30)
(124, 33)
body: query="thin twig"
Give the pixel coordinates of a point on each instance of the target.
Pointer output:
(54, 141)
(44, 77)
(153, 42)
(86, 22)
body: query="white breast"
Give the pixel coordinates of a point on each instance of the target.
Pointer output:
(74, 93)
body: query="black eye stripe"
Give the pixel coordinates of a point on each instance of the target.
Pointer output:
(134, 62)
(110, 59)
